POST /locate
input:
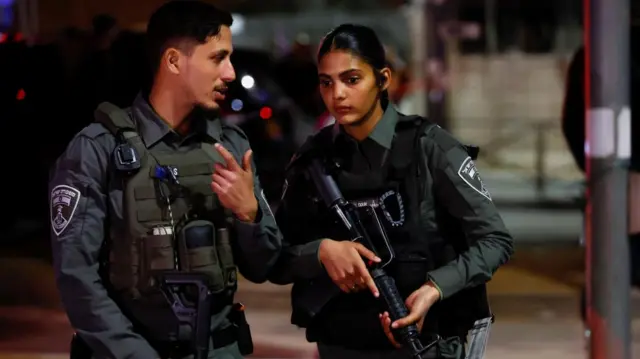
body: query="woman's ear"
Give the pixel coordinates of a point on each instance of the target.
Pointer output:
(384, 79)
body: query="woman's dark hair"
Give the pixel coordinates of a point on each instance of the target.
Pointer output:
(360, 41)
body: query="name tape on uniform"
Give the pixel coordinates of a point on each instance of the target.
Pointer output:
(64, 202)
(469, 173)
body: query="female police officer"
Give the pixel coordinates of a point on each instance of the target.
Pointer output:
(446, 234)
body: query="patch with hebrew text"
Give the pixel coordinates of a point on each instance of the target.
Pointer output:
(64, 201)
(469, 173)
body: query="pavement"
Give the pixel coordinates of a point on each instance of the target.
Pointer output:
(534, 297)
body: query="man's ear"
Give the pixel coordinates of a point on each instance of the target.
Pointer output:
(171, 60)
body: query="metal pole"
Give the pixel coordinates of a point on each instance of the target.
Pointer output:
(541, 156)
(437, 61)
(608, 150)
(491, 26)
(416, 16)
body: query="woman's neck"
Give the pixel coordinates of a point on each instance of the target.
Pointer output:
(363, 128)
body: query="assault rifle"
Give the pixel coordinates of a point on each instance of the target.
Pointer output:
(348, 215)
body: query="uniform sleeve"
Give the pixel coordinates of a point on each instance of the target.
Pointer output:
(299, 258)
(459, 187)
(258, 243)
(78, 212)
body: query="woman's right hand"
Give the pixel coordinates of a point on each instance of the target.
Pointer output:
(344, 264)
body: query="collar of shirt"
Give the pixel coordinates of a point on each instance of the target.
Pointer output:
(153, 128)
(384, 131)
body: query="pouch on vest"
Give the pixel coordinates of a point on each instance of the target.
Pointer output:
(206, 249)
(158, 254)
(197, 248)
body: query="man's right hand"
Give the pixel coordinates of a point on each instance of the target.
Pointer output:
(344, 264)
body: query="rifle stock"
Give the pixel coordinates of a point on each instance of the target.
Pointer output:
(198, 316)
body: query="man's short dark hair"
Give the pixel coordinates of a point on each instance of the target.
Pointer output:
(183, 23)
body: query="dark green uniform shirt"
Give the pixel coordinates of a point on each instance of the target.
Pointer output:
(86, 167)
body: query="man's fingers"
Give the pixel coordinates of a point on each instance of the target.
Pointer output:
(216, 188)
(221, 181)
(228, 157)
(365, 252)
(246, 161)
(225, 173)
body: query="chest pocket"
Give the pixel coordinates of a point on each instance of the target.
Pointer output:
(191, 192)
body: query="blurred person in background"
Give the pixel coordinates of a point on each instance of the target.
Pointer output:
(442, 225)
(134, 195)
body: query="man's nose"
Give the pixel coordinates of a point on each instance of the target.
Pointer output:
(229, 73)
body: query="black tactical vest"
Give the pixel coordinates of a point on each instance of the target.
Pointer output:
(174, 222)
(352, 319)
(399, 192)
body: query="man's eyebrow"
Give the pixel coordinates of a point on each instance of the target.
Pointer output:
(223, 52)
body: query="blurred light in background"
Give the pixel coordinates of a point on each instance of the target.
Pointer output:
(237, 27)
(266, 113)
(6, 13)
(237, 105)
(247, 82)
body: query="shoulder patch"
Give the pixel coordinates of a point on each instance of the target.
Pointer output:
(64, 201)
(469, 173)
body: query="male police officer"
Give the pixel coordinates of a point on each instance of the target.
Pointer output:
(134, 195)
(447, 236)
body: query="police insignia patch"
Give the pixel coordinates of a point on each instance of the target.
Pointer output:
(64, 201)
(469, 173)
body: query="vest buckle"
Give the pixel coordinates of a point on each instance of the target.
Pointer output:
(126, 158)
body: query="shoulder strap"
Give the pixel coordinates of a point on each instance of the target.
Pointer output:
(409, 150)
(315, 145)
(130, 148)
(115, 119)
(407, 142)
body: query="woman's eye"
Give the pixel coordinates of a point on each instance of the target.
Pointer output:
(353, 80)
(325, 83)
